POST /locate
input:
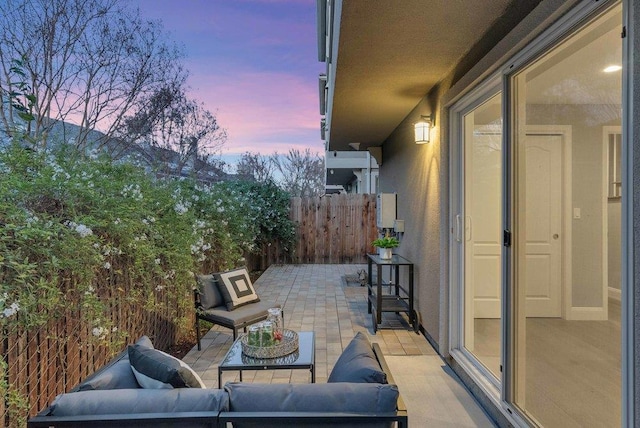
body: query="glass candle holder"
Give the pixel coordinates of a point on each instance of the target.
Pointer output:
(253, 338)
(266, 334)
(275, 317)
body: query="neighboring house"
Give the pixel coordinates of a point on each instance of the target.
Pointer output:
(522, 209)
(351, 172)
(157, 160)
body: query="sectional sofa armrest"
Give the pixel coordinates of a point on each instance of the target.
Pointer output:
(401, 407)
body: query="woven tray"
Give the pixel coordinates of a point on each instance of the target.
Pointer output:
(287, 345)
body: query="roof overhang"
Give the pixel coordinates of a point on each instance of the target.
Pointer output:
(385, 56)
(341, 167)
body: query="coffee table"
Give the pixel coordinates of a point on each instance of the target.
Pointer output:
(303, 358)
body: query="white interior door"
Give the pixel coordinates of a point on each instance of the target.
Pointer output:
(543, 229)
(483, 205)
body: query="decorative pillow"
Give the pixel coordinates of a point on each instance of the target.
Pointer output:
(236, 288)
(357, 364)
(155, 369)
(209, 294)
(116, 376)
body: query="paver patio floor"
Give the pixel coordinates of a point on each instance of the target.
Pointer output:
(329, 300)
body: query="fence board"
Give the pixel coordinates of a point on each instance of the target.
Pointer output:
(329, 229)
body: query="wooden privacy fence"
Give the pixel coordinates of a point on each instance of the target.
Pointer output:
(334, 228)
(41, 363)
(329, 229)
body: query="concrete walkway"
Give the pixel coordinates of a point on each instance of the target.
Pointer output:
(329, 300)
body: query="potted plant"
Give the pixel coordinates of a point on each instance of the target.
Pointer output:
(385, 246)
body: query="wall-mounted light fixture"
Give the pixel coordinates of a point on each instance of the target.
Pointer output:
(423, 129)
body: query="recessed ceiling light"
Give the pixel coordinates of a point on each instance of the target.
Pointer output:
(612, 68)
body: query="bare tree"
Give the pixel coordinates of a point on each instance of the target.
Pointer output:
(170, 121)
(88, 62)
(302, 172)
(256, 166)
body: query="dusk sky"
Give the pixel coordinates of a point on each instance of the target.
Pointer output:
(253, 63)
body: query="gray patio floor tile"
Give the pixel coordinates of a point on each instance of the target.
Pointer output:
(325, 299)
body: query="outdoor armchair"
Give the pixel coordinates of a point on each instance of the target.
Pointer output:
(228, 299)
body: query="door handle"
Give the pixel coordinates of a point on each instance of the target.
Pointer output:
(458, 228)
(556, 236)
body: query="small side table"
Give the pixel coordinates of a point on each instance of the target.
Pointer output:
(303, 358)
(399, 298)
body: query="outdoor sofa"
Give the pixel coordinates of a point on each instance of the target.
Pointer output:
(359, 392)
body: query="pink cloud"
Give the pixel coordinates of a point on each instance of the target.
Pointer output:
(262, 111)
(253, 64)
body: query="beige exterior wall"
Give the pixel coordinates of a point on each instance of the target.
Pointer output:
(414, 173)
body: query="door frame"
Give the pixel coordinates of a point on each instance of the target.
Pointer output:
(482, 93)
(606, 132)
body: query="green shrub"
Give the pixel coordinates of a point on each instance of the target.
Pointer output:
(74, 228)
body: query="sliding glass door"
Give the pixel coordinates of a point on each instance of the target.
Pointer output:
(567, 328)
(536, 227)
(482, 232)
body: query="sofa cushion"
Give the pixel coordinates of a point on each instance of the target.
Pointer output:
(118, 375)
(210, 296)
(357, 363)
(127, 401)
(236, 288)
(155, 369)
(327, 397)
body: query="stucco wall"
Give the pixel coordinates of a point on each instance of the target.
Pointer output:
(414, 173)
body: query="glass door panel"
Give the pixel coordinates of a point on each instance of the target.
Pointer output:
(567, 341)
(482, 136)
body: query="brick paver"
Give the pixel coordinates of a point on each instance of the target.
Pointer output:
(326, 299)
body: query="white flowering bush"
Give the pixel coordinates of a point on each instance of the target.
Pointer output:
(76, 231)
(90, 242)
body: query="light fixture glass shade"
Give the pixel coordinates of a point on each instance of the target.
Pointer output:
(422, 129)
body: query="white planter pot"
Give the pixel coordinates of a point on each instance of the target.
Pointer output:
(385, 253)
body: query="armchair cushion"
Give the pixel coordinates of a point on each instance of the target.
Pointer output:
(236, 288)
(155, 369)
(210, 296)
(357, 363)
(238, 317)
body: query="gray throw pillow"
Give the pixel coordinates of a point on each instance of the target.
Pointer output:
(116, 376)
(236, 288)
(210, 296)
(155, 369)
(357, 364)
